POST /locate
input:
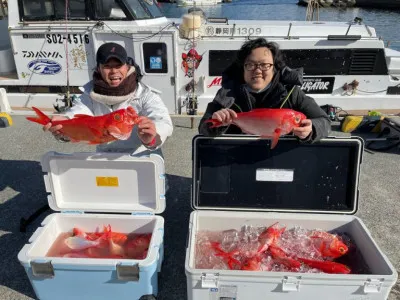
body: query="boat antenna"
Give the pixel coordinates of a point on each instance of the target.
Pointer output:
(312, 9)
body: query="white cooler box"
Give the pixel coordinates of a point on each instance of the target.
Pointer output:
(117, 189)
(239, 181)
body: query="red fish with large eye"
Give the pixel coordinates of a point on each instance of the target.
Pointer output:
(266, 122)
(329, 245)
(116, 125)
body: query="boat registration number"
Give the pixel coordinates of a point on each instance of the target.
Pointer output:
(232, 31)
(248, 30)
(72, 38)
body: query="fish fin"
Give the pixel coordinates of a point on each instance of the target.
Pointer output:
(96, 131)
(82, 116)
(41, 117)
(275, 138)
(115, 132)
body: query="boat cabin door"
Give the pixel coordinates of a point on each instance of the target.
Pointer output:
(157, 63)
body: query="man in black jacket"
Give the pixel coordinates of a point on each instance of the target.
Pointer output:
(260, 79)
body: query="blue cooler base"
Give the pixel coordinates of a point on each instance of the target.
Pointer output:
(94, 283)
(65, 278)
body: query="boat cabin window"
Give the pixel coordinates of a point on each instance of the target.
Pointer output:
(152, 7)
(137, 9)
(38, 9)
(219, 60)
(33, 10)
(109, 10)
(77, 9)
(155, 58)
(46, 10)
(315, 61)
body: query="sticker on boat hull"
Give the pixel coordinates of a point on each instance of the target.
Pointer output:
(190, 62)
(44, 67)
(318, 85)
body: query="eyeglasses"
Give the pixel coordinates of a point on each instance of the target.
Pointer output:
(262, 66)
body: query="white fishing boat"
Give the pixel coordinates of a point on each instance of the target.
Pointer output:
(46, 58)
(197, 2)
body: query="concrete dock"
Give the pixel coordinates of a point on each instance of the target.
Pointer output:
(22, 192)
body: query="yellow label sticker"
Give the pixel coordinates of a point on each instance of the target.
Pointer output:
(107, 181)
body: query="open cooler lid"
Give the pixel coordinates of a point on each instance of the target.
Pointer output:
(243, 173)
(104, 182)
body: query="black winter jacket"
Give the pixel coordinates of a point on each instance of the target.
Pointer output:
(234, 95)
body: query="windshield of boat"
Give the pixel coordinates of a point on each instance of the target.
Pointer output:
(144, 9)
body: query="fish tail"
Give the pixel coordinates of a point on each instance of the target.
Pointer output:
(214, 123)
(41, 117)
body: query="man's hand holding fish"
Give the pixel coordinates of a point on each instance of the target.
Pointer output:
(55, 130)
(225, 116)
(147, 132)
(304, 130)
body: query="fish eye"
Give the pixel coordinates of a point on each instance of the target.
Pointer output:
(341, 250)
(117, 117)
(297, 119)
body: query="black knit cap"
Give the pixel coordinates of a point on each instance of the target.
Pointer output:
(111, 50)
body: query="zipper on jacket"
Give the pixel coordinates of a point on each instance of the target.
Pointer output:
(246, 92)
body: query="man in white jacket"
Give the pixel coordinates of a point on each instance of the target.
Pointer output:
(115, 85)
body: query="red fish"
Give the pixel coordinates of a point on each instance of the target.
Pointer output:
(266, 122)
(117, 237)
(280, 256)
(252, 264)
(94, 129)
(112, 249)
(326, 266)
(269, 237)
(80, 243)
(228, 257)
(329, 245)
(137, 247)
(77, 255)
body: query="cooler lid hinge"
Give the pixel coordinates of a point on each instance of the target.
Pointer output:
(290, 283)
(209, 280)
(128, 272)
(373, 286)
(42, 269)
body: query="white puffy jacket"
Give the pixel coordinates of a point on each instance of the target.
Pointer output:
(145, 102)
